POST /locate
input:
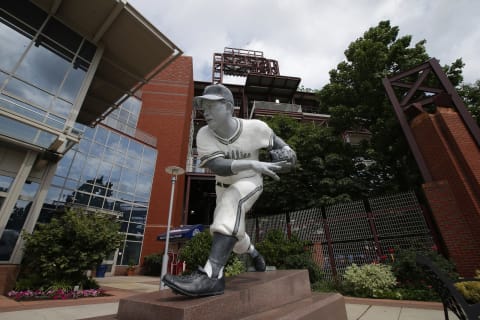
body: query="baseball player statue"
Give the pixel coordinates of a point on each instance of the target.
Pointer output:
(230, 147)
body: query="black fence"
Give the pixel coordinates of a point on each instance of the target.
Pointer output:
(356, 232)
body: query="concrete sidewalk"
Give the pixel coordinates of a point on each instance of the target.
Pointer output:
(121, 286)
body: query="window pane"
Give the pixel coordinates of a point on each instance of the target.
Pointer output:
(7, 243)
(28, 93)
(61, 108)
(18, 215)
(5, 183)
(129, 178)
(53, 195)
(43, 68)
(72, 84)
(64, 164)
(30, 189)
(11, 53)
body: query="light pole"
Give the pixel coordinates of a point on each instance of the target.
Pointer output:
(174, 171)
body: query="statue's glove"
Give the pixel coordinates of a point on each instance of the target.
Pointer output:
(285, 155)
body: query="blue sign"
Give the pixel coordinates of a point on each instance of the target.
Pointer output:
(182, 233)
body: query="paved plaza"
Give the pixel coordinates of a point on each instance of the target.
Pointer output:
(121, 286)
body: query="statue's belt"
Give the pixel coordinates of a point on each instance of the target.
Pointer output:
(223, 185)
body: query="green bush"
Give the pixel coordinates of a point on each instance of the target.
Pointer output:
(470, 289)
(62, 250)
(409, 275)
(153, 264)
(284, 253)
(196, 251)
(236, 267)
(369, 280)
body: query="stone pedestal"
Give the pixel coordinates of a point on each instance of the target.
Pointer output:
(283, 294)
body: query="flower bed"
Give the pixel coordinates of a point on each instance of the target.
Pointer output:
(59, 294)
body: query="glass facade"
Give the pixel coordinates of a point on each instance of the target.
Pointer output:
(42, 67)
(125, 118)
(111, 172)
(17, 216)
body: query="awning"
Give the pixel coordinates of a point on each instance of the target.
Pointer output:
(134, 50)
(182, 233)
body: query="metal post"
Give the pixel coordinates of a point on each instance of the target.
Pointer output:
(174, 171)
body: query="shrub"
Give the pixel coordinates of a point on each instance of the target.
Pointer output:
(62, 250)
(409, 275)
(196, 251)
(286, 253)
(236, 267)
(470, 289)
(370, 280)
(153, 264)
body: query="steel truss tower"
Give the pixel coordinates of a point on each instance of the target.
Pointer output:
(241, 62)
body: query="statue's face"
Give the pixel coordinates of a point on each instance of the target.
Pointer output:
(216, 113)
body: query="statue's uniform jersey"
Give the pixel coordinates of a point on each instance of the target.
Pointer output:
(237, 193)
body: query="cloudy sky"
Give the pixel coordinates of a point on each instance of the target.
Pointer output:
(308, 37)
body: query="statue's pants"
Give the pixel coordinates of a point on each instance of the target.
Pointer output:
(233, 203)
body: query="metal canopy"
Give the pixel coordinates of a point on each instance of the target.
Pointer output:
(414, 91)
(134, 50)
(276, 86)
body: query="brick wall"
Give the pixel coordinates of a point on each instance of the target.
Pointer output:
(166, 114)
(8, 277)
(453, 159)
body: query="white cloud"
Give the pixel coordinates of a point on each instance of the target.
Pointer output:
(308, 37)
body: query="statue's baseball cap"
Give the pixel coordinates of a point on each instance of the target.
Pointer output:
(214, 92)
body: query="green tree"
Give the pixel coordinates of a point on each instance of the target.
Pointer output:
(63, 249)
(471, 96)
(356, 99)
(323, 174)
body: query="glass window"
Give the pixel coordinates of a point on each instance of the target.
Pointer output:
(131, 254)
(101, 135)
(144, 186)
(3, 76)
(104, 171)
(139, 214)
(55, 122)
(43, 68)
(22, 108)
(64, 164)
(96, 150)
(150, 155)
(25, 132)
(72, 84)
(128, 181)
(58, 181)
(28, 93)
(135, 149)
(30, 189)
(7, 243)
(63, 35)
(61, 107)
(115, 177)
(87, 51)
(25, 11)
(77, 166)
(84, 145)
(17, 44)
(132, 162)
(90, 170)
(147, 168)
(53, 195)
(71, 184)
(136, 228)
(18, 215)
(5, 183)
(113, 140)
